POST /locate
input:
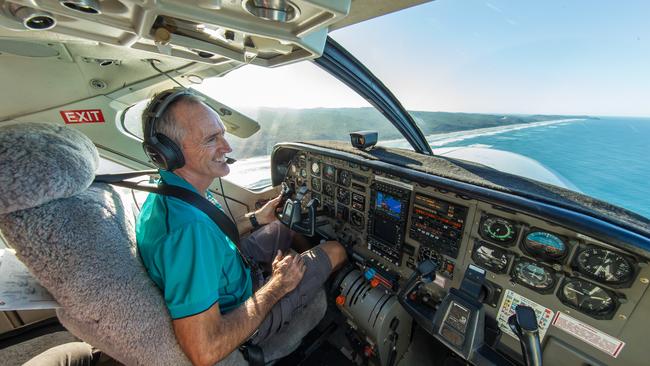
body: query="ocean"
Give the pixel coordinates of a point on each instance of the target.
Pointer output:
(607, 158)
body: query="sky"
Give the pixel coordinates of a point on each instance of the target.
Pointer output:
(548, 57)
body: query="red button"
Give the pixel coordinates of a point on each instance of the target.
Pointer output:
(340, 300)
(368, 351)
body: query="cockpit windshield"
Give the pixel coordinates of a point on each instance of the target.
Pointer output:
(555, 91)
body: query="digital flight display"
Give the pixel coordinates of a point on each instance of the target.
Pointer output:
(388, 204)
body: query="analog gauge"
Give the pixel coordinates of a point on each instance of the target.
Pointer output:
(545, 245)
(329, 172)
(533, 275)
(494, 259)
(315, 184)
(344, 178)
(604, 265)
(356, 219)
(303, 173)
(328, 189)
(587, 297)
(315, 169)
(343, 195)
(498, 229)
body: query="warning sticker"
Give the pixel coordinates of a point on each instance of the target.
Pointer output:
(588, 334)
(510, 301)
(82, 116)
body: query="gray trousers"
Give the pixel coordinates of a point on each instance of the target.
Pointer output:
(68, 354)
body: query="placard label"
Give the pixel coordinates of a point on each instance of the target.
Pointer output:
(589, 334)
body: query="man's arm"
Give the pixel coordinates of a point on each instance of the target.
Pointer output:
(209, 337)
(264, 215)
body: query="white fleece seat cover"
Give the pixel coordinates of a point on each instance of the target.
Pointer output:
(78, 240)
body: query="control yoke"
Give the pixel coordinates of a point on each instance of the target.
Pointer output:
(524, 324)
(459, 320)
(292, 211)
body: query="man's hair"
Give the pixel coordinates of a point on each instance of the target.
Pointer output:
(167, 124)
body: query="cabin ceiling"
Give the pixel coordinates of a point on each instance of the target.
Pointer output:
(85, 54)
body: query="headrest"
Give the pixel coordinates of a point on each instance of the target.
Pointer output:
(43, 162)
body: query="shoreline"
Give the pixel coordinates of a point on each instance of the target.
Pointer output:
(441, 139)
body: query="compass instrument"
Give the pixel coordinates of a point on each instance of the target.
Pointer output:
(533, 275)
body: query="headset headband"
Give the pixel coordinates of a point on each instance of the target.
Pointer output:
(156, 108)
(161, 149)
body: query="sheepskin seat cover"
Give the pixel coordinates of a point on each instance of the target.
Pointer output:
(78, 240)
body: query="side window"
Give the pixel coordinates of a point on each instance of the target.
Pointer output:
(299, 102)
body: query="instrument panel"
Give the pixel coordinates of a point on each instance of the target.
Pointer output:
(394, 224)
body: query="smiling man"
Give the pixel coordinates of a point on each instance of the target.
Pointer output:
(215, 302)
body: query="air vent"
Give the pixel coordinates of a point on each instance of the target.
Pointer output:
(276, 10)
(82, 6)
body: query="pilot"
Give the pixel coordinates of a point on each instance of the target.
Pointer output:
(215, 300)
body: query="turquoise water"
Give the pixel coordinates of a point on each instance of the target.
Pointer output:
(607, 158)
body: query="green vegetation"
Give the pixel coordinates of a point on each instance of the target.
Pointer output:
(283, 124)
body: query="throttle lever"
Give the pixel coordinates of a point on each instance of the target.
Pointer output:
(286, 191)
(301, 192)
(524, 324)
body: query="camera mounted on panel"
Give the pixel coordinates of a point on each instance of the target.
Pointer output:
(364, 140)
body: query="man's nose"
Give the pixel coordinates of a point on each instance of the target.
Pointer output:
(225, 147)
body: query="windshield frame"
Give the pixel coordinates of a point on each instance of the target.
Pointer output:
(340, 63)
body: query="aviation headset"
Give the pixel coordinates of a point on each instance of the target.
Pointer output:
(162, 150)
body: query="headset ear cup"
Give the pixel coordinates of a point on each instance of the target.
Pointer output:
(170, 152)
(153, 152)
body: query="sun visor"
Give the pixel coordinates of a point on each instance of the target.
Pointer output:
(236, 123)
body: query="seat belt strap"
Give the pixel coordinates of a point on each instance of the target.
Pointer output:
(218, 217)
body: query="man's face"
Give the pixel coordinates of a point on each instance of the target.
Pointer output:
(204, 145)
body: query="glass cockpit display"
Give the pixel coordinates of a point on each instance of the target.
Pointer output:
(387, 220)
(388, 204)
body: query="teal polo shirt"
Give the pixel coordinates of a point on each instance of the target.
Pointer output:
(188, 256)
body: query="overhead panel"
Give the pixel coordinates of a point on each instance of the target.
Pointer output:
(261, 32)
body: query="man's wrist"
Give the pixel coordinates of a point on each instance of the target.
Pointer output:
(276, 289)
(253, 220)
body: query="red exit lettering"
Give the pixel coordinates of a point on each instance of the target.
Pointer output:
(82, 116)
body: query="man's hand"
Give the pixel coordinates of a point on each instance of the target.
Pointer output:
(266, 214)
(287, 271)
(209, 336)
